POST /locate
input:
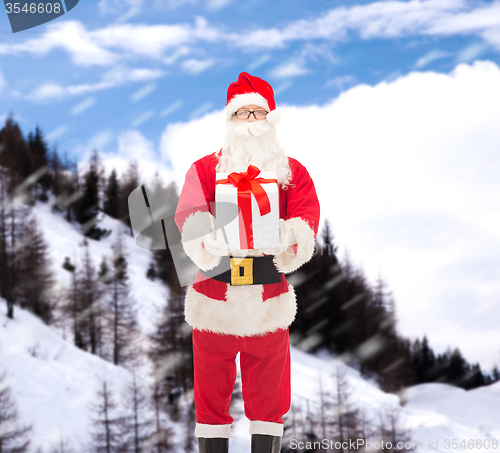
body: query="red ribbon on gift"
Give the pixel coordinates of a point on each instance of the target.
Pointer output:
(247, 184)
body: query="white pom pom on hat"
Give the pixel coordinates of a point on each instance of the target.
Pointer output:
(251, 90)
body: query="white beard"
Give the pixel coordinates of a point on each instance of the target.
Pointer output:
(254, 143)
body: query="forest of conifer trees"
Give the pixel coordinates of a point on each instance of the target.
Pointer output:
(340, 311)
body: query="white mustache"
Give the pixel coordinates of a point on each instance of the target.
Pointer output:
(253, 129)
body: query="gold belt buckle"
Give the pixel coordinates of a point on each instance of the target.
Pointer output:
(241, 271)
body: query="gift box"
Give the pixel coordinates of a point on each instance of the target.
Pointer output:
(247, 209)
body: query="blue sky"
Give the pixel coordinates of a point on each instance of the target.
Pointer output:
(111, 65)
(403, 98)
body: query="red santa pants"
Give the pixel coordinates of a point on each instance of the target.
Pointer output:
(265, 380)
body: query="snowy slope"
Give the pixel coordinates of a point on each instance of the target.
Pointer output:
(440, 413)
(53, 384)
(64, 240)
(53, 381)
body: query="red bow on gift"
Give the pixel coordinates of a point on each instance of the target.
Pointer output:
(247, 184)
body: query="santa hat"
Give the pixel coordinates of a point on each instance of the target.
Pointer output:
(251, 90)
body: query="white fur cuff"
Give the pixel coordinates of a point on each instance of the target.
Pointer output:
(268, 428)
(192, 240)
(289, 261)
(211, 431)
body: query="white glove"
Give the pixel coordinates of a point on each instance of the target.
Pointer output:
(287, 238)
(213, 246)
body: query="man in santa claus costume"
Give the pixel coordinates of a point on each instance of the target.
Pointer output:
(250, 318)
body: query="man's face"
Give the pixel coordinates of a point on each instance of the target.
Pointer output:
(242, 113)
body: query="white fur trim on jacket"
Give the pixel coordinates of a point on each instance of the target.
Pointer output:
(192, 240)
(245, 99)
(211, 431)
(288, 261)
(269, 428)
(243, 313)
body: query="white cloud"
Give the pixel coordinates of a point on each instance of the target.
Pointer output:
(117, 76)
(387, 19)
(132, 143)
(171, 108)
(470, 53)
(132, 146)
(406, 171)
(384, 19)
(100, 140)
(431, 56)
(379, 19)
(289, 69)
(107, 46)
(70, 36)
(57, 132)
(218, 4)
(484, 16)
(142, 118)
(3, 83)
(143, 92)
(341, 82)
(201, 110)
(83, 105)
(197, 66)
(173, 4)
(259, 62)
(116, 7)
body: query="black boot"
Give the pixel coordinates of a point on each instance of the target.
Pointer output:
(264, 443)
(213, 445)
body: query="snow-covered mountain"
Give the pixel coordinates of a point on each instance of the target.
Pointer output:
(53, 382)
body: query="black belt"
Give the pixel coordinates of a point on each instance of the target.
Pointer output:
(259, 270)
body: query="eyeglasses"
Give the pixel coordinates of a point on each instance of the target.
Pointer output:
(245, 114)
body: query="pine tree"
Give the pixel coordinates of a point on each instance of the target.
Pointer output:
(5, 255)
(160, 438)
(72, 305)
(476, 378)
(107, 433)
(136, 423)
(14, 155)
(56, 171)
(163, 266)
(14, 437)
(290, 429)
(396, 367)
(171, 352)
(324, 407)
(190, 422)
(90, 310)
(392, 430)
(88, 206)
(39, 156)
(496, 374)
(65, 185)
(345, 415)
(35, 292)
(122, 315)
(12, 218)
(111, 196)
(129, 181)
(458, 368)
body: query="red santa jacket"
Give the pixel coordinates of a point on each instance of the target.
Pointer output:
(244, 310)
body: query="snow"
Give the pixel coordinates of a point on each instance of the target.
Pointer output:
(440, 411)
(53, 382)
(65, 240)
